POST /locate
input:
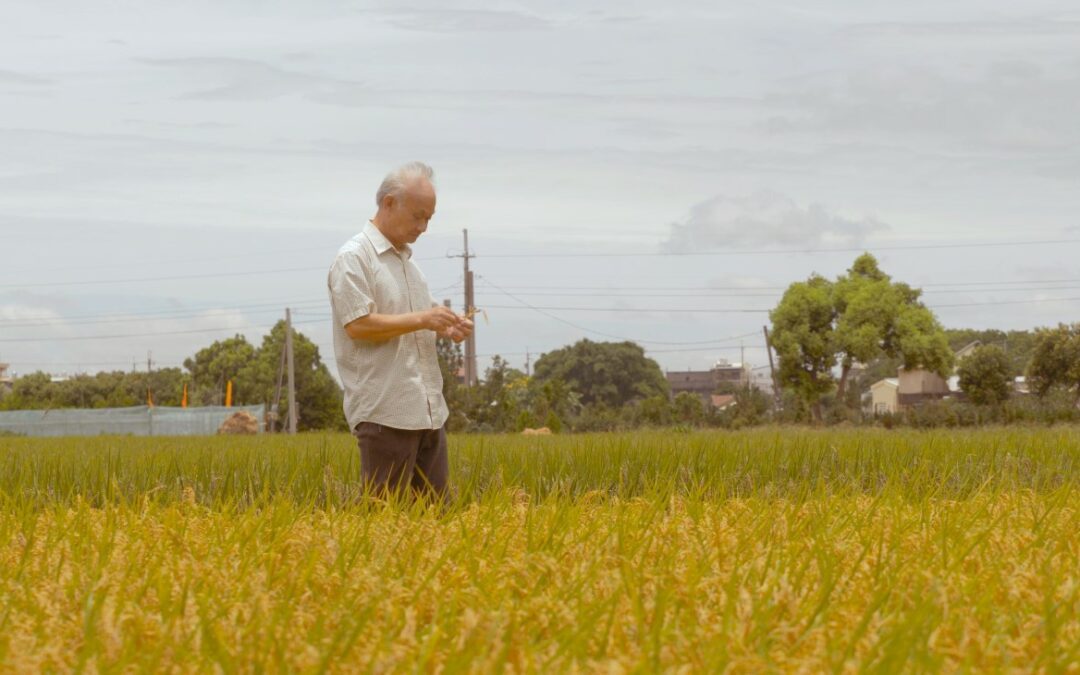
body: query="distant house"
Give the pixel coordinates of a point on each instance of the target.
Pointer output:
(705, 382)
(700, 382)
(1020, 385)
(883, 396)
(912, 387)
(6, 381)
(917, 386)
(722, 401)
(762, 379)
(967, 349)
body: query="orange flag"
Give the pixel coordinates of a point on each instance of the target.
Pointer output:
(183, 399)
(228, 394)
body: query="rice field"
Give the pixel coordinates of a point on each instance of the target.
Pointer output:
(764, 550)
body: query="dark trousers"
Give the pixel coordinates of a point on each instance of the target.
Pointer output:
(391, 459)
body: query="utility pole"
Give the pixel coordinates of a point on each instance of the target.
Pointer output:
(471, 376)
(742, 364)
(292, 372)
(527, 373)
(276, 407)
(772, 369)
(149, 366)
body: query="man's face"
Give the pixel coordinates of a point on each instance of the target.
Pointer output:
(408, 215)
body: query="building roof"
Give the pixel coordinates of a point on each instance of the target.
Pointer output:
(887, 382)
(968, 348)
(721, 401)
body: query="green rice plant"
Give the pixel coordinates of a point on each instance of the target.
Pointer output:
(324, 469)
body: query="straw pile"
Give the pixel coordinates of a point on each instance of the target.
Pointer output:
(241, 422)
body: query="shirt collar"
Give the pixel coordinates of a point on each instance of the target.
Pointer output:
(380, 242)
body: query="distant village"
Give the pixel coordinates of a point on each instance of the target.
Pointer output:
(888, 395)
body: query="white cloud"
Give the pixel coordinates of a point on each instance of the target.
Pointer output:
(463, 20)
(247, 79)
(764, 218)
(12, 77)
(1037, 26)
(1007, 106)
(25, 313)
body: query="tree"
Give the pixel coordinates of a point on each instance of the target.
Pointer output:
(880, 318)
(212, 367)
(984, 375)
(804, 337)
(1017, 344)
(451, 361)
(862, 317)
(553, 397)
(30, 392)
(318, 396)
(612, 373)
(116, 389)
(1055, 360)
(653, 411)
(497, 402)
(688, 408)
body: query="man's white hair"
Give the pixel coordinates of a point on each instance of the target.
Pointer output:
(398, 180)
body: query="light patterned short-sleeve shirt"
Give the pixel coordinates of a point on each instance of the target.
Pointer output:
(395, 382)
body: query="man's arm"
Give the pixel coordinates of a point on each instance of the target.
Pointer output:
(378, 327)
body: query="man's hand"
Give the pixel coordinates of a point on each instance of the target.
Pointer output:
(461, 331)
(379, 327)
(439, 319)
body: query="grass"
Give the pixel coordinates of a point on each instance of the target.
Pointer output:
(774, 549)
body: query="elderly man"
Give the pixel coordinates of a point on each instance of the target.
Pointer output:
(385, 325)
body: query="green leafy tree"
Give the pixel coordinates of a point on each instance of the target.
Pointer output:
(879, 318)
(213, 366)
(652, 411)
(33, 391)
(1017, 344)
(318, 396)
(1055, 360)
(804, 337)
(497, 402)
(862, 317)
(688, 408)
(457, 396)
(612, 373)
(553, 396)
(984, 375)
(115, 389)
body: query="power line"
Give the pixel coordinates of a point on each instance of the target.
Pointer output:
(141, 335)
(254, 303)
(179, 277)
(303, 305)
(1004, 302)
(856, 249)
(682, 310)
(246, 255)
(778, 288)
(774, 294)
(637, 310)
(595, 332)
(127, 362)
(166, 315)
(902, 247)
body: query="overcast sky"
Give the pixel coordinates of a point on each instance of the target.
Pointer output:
(175, 173)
